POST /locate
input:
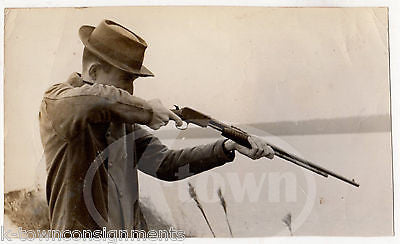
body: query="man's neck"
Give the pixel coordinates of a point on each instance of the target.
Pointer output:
(87, 78)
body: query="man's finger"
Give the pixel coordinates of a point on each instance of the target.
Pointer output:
(252, 152)
(164, 118)
(176, 118)
(252, 142)
(257, 148)
(268, 151)
(245, 151)
(272, 154)
(155, 126)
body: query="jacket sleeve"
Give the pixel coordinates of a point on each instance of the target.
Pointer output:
(155, 159)
(71, 109)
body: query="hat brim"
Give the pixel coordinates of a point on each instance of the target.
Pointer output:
(84, 34)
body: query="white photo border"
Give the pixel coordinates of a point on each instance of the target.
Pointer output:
(394, 45)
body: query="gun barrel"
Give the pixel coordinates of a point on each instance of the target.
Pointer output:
(313, 167)
(301, 164)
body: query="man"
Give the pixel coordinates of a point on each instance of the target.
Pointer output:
(94, 117)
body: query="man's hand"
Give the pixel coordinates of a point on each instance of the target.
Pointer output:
(259, 148)
(161, 115)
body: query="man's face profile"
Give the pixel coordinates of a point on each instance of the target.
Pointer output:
(98, 71)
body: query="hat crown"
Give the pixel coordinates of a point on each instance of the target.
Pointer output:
(117, 45)
(123, 31)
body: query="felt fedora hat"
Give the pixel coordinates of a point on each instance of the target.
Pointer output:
(116, 45)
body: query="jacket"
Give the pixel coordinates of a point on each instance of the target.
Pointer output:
(94, 143)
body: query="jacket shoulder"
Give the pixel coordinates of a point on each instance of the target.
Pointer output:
(59, 90)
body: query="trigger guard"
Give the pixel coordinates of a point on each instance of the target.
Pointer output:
(182, 127)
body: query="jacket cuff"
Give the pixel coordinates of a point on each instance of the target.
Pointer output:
(223, 155)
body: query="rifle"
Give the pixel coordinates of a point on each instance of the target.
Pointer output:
(239, 136)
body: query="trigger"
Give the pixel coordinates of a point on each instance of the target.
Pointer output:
(182, 127)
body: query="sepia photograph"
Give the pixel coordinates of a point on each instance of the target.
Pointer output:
(175, 122)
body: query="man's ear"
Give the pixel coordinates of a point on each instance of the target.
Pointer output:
(93, 71)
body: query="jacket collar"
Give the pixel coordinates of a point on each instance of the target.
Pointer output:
(75, 80)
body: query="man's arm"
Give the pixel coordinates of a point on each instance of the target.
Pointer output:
(154, 158)
(72, 105)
